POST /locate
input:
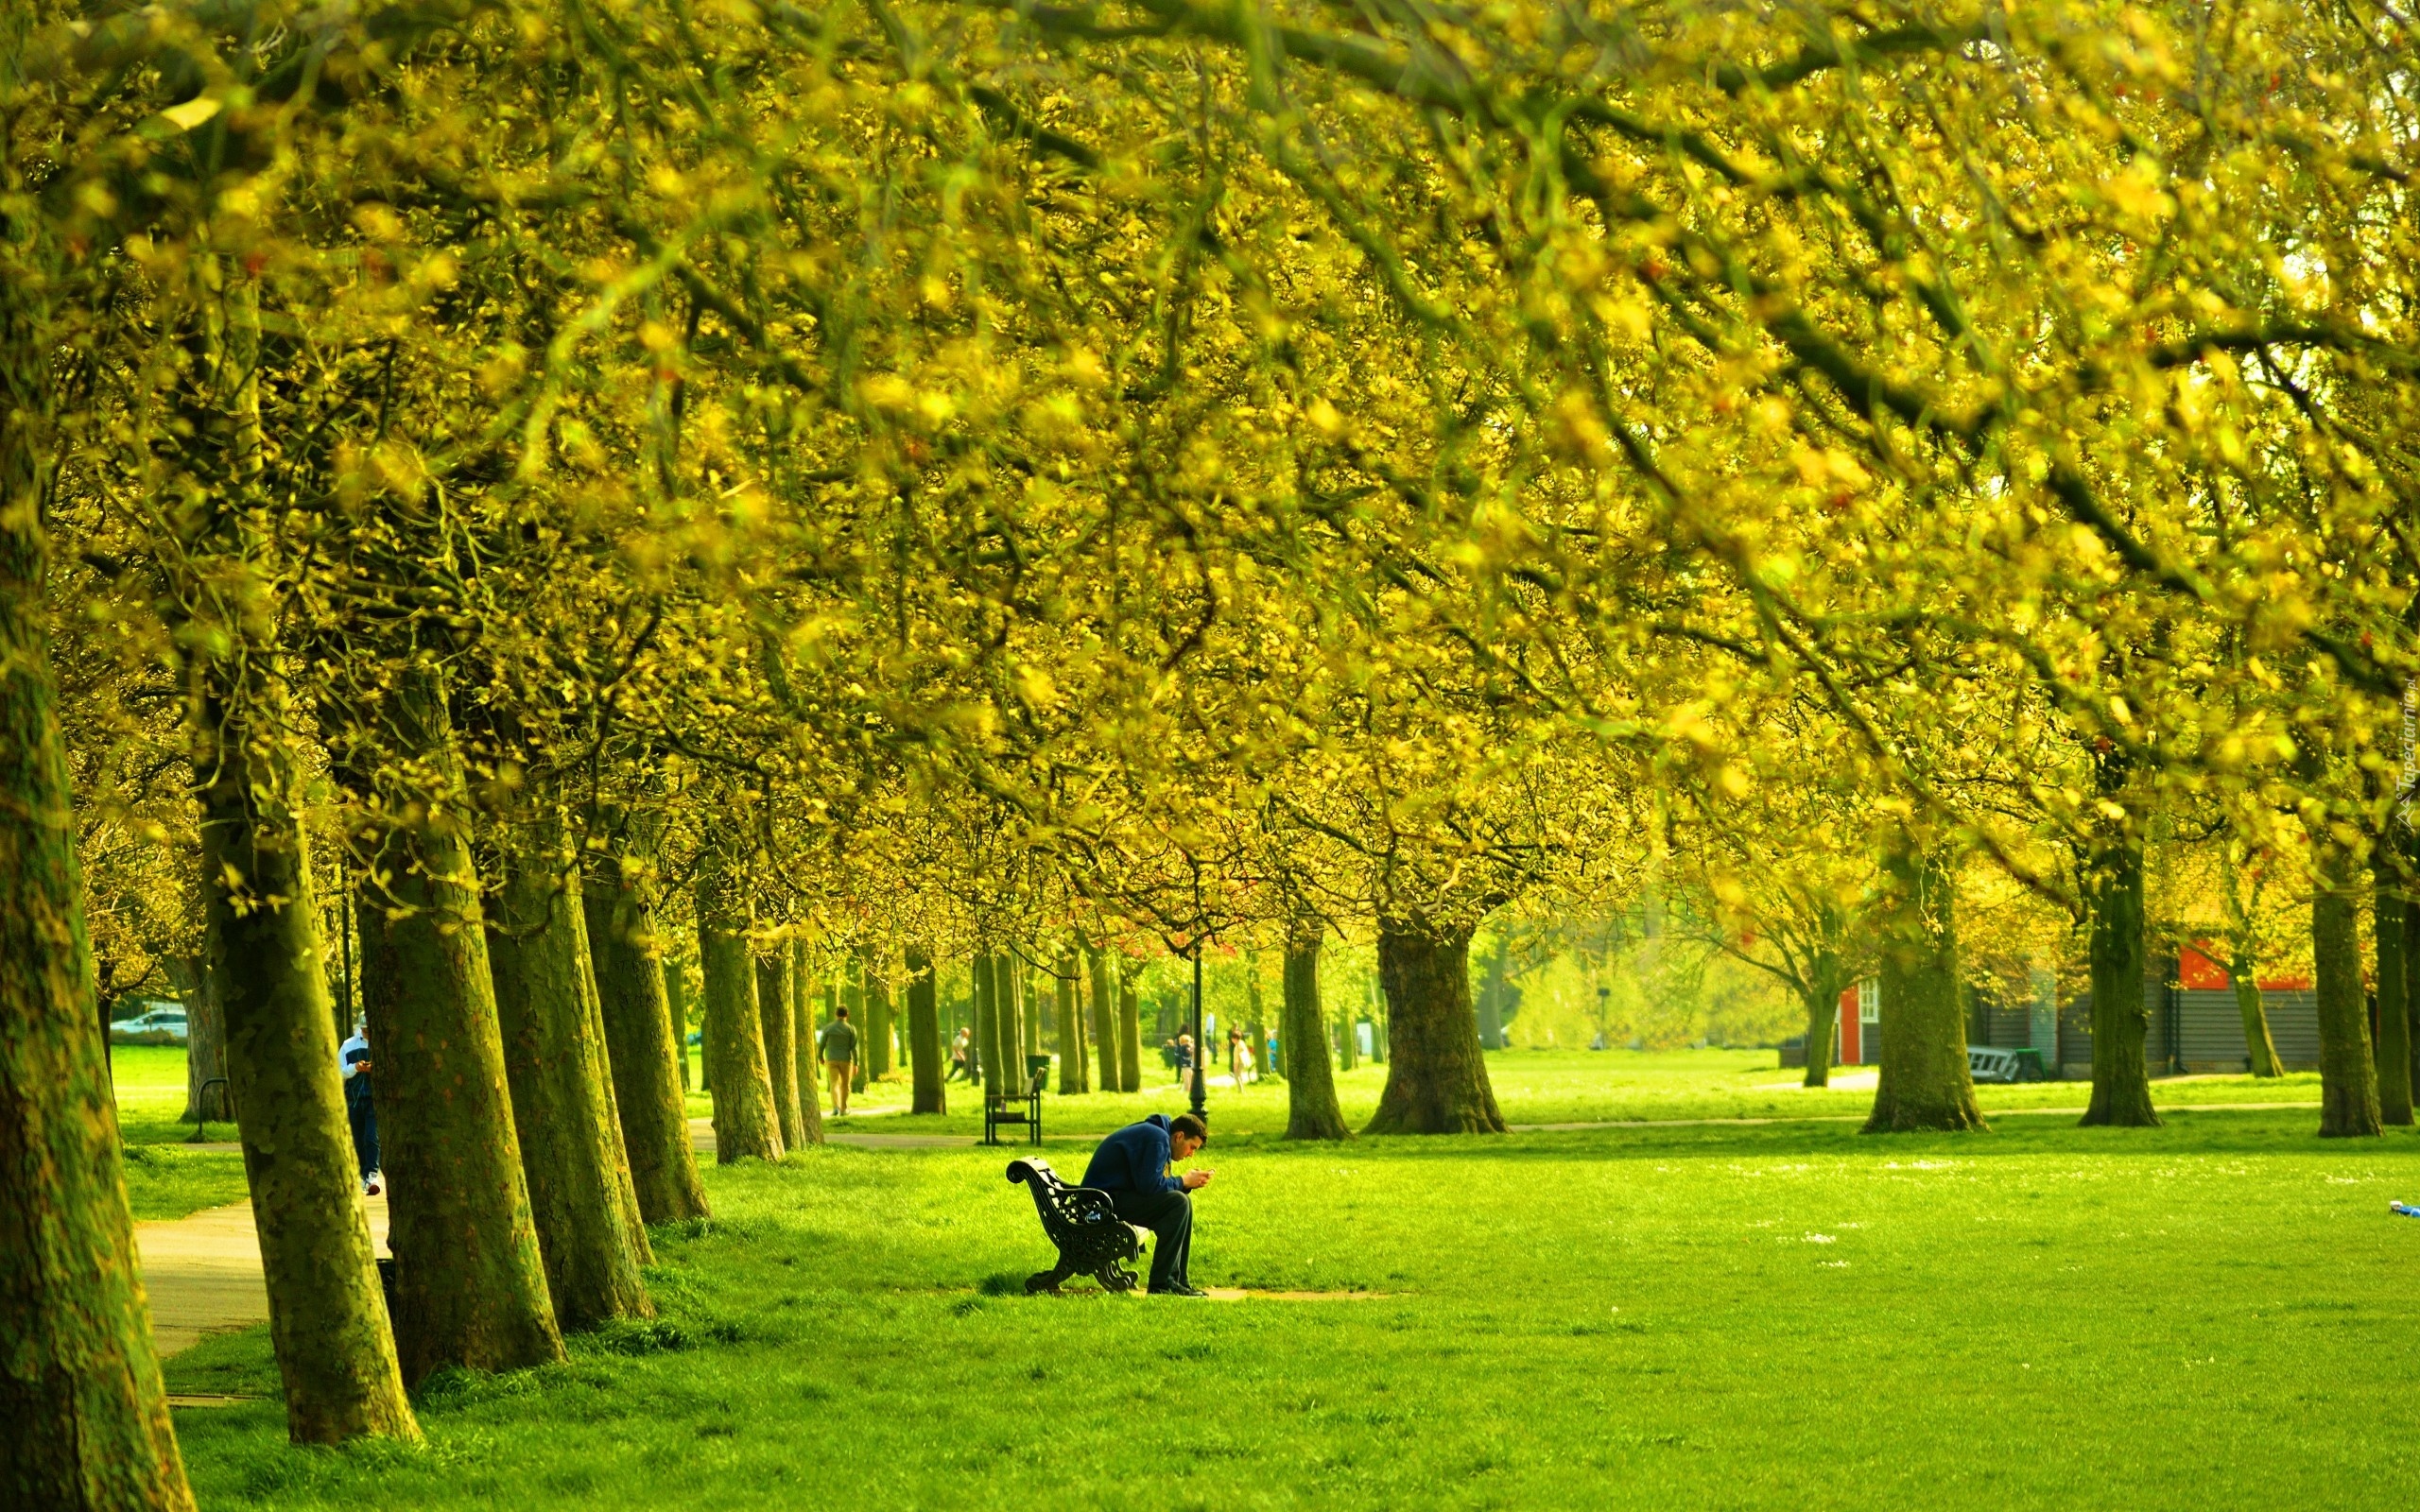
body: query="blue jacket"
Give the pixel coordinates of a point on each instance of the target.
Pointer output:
(1135, 1158)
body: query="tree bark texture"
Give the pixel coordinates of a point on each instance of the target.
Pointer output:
(777, 1014)
(1437, 1077)
(469, 1280)
(2113, 892)
(1823, 1004)
(746, 1125)
(581, 1195)
(334, 1343)
(2348, 1086)
(1130, 1040)
(197, 986)
(84, 1417)
(1925, 1083)
(2261, 1046)
(2395, 1018)
(987, 1023)
(1311, 1111)
(805, 1057)
(640, 1046)
(1102, 992)
(924, 1057)
(1075, 1066)
(879, 1026)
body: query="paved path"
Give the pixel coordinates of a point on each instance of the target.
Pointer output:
(203, 1272)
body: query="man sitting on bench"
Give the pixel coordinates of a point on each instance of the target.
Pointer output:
(1132, 1165)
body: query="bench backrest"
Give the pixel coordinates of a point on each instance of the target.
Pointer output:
(1037, 1082)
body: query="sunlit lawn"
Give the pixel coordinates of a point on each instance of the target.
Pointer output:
(2215, 1314)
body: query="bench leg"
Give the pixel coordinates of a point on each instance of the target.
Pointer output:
(1048, 1280)
(1114, 1278)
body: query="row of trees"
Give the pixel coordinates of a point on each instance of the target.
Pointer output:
(919, 479)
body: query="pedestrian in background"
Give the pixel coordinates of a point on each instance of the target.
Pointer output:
(359, 1111)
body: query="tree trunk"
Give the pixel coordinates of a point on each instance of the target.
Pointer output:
(2260, 1047)
(2394, 1021)
(84, 1417)
(2412, 988)
(469, 1280)
(777, 1018)
(1437, 1077)
(328, 1325)
(853, 992)
(2113, 892)
(878, 1027)
(197, 985)
(1102, 991)
(746, 1125)
(1130, 1040)
(1075, 1066)
(924, 1059)
(809, 1064)
(2349, 1086)
(641, 1040)
(581, 1194)
(1491, 1000)
(987, 1025)
(1822, 1001)
(676, 1002)
(1028, 1015)
(1924, 1082)
(1256, 1020)
(1311, 1111)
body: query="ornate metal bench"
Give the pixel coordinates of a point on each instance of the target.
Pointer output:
(1092, 1239)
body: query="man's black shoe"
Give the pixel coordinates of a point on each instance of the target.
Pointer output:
(1178, 1289)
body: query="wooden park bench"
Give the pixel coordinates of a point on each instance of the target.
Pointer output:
(1005, 1109)
(1092, 1239)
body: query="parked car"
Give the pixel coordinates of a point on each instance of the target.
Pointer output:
(162, 1026)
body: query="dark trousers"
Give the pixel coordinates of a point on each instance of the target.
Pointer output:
(363, 1115)
(1170, 1217)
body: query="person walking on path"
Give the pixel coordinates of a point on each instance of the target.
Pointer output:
(839, 1043)
(1132, 1165)
(958, 1069)
(359, 1111)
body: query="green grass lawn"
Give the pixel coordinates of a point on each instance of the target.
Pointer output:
(164, 1180)
(2211, 1314)
(1546, 1087)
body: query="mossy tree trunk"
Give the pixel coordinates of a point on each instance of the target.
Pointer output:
(1101, 991)
(2112, 895)
(1925, 1083)
(1311, 1111)
(746, 1125)
(328, 1324)
(1028, 1004)
(1435, 1076)
(642, 1045)
(580, 1191)
(987, 1024)
(803, 1056)
(1257, 1019)
(2394, 1018)
(1075, 1066)
(2261, 1046)
(777, 1015)
(2348, 1086)
(1819, 997)
(469, 1280)
(1130, 1039)
(924, 1057)
(84, 1418)
(879, 1026)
